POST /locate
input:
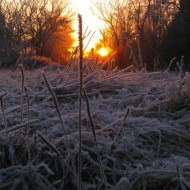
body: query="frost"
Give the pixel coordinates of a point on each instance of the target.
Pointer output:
(151, 149)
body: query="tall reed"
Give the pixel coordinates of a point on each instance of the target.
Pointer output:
(80, 38)
(28, 129)
(95, 139)
(4, 118)
(22, 90)
(58, 111)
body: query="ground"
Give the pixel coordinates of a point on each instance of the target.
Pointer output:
(141, 122)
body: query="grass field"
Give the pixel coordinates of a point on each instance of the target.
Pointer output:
(140, 122)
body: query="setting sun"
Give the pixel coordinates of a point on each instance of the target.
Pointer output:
(103, 52)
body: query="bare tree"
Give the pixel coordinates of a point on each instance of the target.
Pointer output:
(32, 23)
(152, 20)
(177, 40)
(8, 30)
(116, 17)
(136, 26)
(60, 52)
(44, 19)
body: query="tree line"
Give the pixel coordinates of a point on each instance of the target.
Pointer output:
(148, 33)
(40, 27)
(143, 33)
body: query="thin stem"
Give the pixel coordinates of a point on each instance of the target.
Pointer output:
(58, 111)
(89, 40)
(4, 118)
(80, 38)
(22, 90)
(57, 152)
(120, 128)
(94, 136)
(28, 129)
(17, 127)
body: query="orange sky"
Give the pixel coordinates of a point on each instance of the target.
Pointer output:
(93, 23)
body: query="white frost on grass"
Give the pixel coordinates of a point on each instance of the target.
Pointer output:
(153, 145)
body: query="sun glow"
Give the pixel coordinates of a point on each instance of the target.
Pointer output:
(90, 21)
(103, 52)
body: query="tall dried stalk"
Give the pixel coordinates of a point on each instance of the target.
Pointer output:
(95, 139)
(89, 40)
(120, 128)
(22, 94)
(16, 127)
(171, 62)
(28, 129)
(57, 152)
(22, 90)
(4, 118)
(74, 54)
(58, 111)
(59, 155)
(80, 38)
(118, 133)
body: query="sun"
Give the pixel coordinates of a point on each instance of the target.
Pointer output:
(103, 52)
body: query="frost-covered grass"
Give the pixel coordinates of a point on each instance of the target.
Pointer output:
(141, 122)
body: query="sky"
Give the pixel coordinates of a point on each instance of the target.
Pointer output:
(83, 7)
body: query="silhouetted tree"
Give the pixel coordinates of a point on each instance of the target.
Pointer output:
(135, 29)
(3, 41)
(44, 19)
(59, 44)
(177, 41)
(28, 25)
(8, 54)
(120, 27)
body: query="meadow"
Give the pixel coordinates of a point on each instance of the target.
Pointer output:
(134, 129)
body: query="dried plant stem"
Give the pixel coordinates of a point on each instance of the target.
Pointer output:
(22, 90)
(17, 127)
(118, 132)
(57, 152)
(159, 142)
(80, 38)
(120, 128)
(22, 93)
(95, 139)
(28, 129)
(89, 40)
(171, 62)
(58, 111)
(75, 51)
(4, 118)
